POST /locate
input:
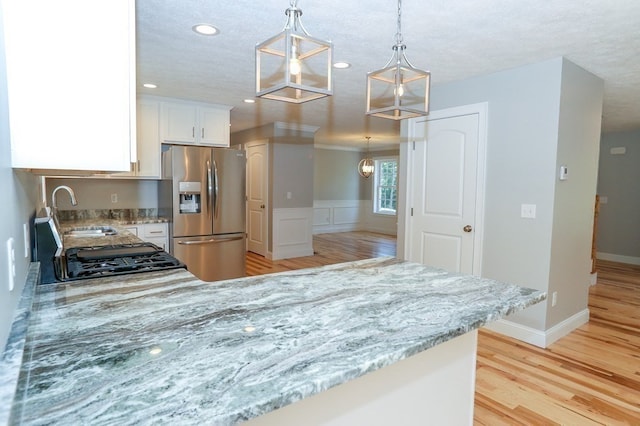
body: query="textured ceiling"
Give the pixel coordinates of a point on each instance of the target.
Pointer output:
(454, 39)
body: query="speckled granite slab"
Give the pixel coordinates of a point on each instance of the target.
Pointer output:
(121, 216)
(11, 357)
(164, 347)
(121, 237)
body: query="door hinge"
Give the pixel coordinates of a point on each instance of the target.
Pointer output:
(411, 211)
(414, 145)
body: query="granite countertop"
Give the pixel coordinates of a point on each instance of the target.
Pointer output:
(91, 219)
(165, 346)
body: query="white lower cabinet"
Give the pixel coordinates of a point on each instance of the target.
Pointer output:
(156, 233)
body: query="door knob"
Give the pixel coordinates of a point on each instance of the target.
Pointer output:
(262, 206)
(467, 228)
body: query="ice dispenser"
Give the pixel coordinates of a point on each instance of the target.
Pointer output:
(190, 194)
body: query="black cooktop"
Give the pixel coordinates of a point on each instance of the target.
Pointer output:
(101, 261)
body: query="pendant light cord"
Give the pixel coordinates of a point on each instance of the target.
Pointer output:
(399, 32)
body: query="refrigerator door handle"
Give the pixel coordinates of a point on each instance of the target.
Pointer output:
(210, 241)
(209, 188)
(215, 190)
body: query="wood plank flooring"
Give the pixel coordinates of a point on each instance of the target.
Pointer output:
(328, 249)
(590, 377)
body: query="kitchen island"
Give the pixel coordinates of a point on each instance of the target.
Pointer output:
(165, 347)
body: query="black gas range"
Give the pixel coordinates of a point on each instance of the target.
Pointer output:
(109, 260)
(78, 263)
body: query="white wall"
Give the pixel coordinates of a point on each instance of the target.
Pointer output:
(18, 191)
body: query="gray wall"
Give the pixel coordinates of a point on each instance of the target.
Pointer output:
(19, 197)
(292, 171)
(94, 194)
(336, 176)
(578, 149)
(619, 181)
(525, 142)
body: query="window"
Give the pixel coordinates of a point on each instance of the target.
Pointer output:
(385, 186)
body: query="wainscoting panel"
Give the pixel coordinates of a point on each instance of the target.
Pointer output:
(350, 215)
(292, 233)
(337, 216)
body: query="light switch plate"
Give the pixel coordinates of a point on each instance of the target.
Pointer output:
(528, 211)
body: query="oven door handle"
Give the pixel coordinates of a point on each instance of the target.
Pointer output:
(210, 241)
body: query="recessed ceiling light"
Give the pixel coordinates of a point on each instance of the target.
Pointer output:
(341, 65)
(149, 85)
(205, 29)
(250, 101)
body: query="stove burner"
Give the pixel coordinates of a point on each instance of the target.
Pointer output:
(101, 261)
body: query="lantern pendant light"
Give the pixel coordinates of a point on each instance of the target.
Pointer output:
(366, 165)
(399, 90)
(293, 66)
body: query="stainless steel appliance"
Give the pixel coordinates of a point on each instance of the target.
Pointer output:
(203, 190)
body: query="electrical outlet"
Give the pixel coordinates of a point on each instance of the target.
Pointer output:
(114, 198)
(528, 211)
(27, 240)
(11, 263)
(554, 298)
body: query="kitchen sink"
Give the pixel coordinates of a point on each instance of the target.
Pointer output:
(91, 231)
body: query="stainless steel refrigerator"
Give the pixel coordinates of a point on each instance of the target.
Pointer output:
(203, 191)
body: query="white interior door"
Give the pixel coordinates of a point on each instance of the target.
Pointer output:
(257, 186)
(443, 198)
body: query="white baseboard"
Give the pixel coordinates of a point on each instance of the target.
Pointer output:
(536, 337)
(618, 258)
(327, 229)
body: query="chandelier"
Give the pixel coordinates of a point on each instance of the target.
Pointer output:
(398, 90)
(366, 165)
(293, 66)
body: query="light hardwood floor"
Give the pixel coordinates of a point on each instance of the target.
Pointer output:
(590, 377)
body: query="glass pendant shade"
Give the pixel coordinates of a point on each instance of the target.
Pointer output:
(293, 66)
(398, 90)
(366, 167)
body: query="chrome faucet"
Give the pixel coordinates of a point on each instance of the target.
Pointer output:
(72, 194)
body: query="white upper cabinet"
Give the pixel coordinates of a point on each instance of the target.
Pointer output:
(71, 83)
(194, 123)
(147, 165)
(179, 122)
(214, 126)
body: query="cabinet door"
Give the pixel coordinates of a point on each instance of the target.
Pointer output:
(71, 90)
(178, 123)
(134, 229)
(214, 126)
(158, 234)
(148, 165)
